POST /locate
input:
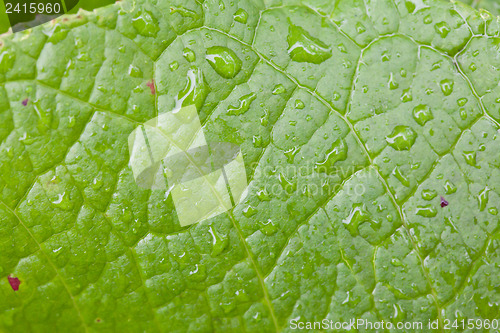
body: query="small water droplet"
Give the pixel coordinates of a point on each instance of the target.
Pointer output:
(279, 89)
(470, 157)
(442, 28)
(189, 54)
(392, 83)
(483, 199)
(446, 86)
(299, 104)
(426, 211)
(429, 194)
(174, 65)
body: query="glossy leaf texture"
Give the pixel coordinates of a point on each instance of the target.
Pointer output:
(370, 135)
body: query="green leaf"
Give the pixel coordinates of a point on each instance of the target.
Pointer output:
(493, 6)
(369, 131)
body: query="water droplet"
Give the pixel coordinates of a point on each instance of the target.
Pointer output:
(473, 67)
(426, 211)
(290, 154)
(449, 187)
(174, 65)
(470, 157)
(336, 96)
(360, 28)
(483, 198)
(337, 152)
(219, 243)
(184, 12)
(224, 61)
(63, 202)
(71, 121)
(268, 228)
(263, 195)
(399, 176)
(299, 104)
(406, 96)
(134, 71)
(288, 185)
(358, 215)
(462, 101)
(189, 54)
(257, 141)
(302, 47)
(241, 16)
(392, 83)
(428, 19)
(249, 211)
(243, 105)
(401, 138)
(44, 115)
(493, 211)
(385, 56)
(429, 194)
(7, 58)
(279, 89)
(145, 24)
(446, 86)
(422, 114)
(442, 28)
(195, 90)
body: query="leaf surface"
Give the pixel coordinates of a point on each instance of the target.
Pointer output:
(357, 120)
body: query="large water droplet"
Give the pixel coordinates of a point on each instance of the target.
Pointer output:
(195, 90)
(422, 114)
(145, 24)
(401, 138)
(244, 104)
(302, 47)
(358, 215)
(224, 61)
(337, 152)
(426, 211)
(241, 16)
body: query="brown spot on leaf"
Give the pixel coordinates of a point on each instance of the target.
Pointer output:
(444, 203)
(151, 85)
(14, 283)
